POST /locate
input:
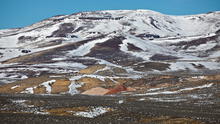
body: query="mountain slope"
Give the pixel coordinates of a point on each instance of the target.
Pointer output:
(138, 41)
(151, 67)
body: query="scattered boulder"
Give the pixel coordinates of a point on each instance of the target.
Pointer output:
(145, 35)
(74, 36)
(198, 66)
(25, 51)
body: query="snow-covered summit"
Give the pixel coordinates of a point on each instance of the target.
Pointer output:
(132, 21)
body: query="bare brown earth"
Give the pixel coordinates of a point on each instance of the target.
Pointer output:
(127, 104)
(89, 83)
(61, 85)
(142, 84)
(92, 69)
(96, 91)
(23, 84)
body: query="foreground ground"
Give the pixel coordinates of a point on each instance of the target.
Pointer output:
(174, 98)
(80, 109)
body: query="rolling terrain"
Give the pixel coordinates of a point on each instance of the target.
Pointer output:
(135, 64)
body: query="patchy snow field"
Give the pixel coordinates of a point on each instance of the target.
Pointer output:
(94, 112)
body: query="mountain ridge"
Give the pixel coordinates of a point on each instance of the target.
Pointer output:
(139, 41)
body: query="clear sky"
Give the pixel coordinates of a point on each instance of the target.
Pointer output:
(19, 13)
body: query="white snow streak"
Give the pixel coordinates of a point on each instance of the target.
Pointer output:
(94, 112)
(48, 85)
(178, 91)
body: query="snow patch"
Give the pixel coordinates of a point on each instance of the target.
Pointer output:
(198, 77)
(41, 113)
(73, 87)
(18, 101)
(167, 100)
(85, 49)
(16, 86)
(64, 65)
(154, 89)
(178, 91)
(120, 101)
(29, 90)
(58, 59)
(48, 85)
(94, 112)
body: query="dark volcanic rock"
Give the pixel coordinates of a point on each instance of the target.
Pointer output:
(22, 39)
(78, 29)
(161, 57)
(197, 42)
(101, 18)
(149, 66)
(25, 51)
(132, 47)
(218, 32)
(145, 35)
(63, 30)
(110, 51)
(199, 66)
(112, 43)
(152, 22)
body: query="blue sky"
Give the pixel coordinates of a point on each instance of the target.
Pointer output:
(19, 13)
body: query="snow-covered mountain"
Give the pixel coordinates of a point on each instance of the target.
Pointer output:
(156, 68)
(136, 40)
